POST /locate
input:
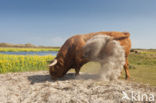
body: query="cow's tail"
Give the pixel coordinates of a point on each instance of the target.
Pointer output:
(125, 36)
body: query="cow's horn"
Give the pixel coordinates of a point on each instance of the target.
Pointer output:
(53, 63)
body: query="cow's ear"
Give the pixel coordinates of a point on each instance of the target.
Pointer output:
(53, 63)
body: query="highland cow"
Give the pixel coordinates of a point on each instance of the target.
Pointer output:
(71, 54)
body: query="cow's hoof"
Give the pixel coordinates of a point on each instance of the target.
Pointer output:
(127, 78)
(77, 74)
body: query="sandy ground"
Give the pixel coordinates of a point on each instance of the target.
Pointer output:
(37, 87)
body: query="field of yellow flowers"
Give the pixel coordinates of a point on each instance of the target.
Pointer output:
(20, 63)
(27, 49)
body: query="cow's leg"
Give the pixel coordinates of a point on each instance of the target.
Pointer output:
(77, 70)
(127, 75)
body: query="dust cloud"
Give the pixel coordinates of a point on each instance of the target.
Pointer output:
(109, 53)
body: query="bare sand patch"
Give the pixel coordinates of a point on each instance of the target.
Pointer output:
(37, 87)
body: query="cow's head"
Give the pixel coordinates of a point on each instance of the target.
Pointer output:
(55, 69)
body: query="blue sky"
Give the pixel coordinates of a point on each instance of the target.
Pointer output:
(51, 22)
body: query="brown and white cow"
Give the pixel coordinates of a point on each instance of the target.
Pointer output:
(70, 54)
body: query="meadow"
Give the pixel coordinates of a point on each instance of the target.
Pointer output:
(142, 65)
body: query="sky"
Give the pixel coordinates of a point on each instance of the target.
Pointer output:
(51, 22)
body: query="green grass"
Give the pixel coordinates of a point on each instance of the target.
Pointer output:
(27, 49)
(144, 74)
(145, 68)
(142, 59)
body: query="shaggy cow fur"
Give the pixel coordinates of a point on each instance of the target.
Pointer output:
(70, 54)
